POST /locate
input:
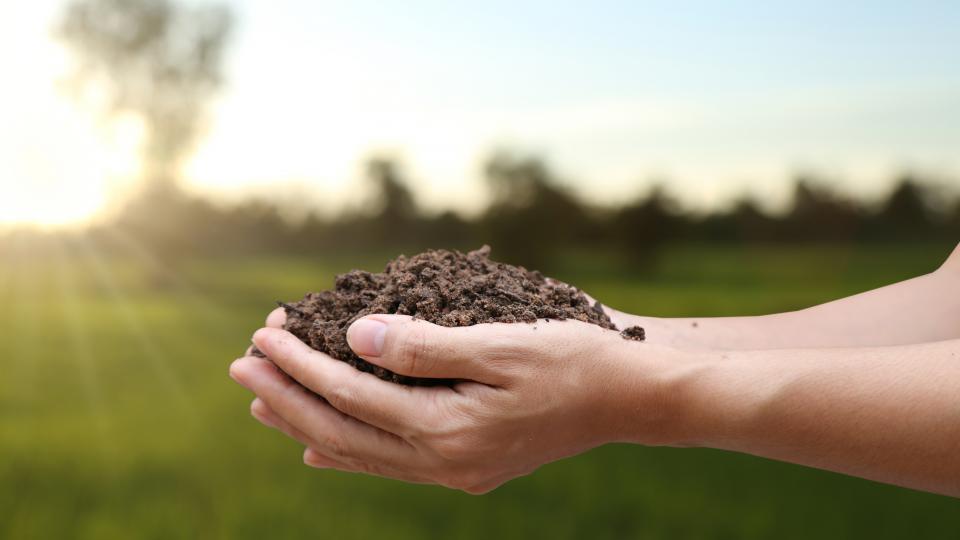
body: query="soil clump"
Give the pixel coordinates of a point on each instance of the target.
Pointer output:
(448, 288)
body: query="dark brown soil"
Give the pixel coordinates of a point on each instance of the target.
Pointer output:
(447, 288)
(636, 333)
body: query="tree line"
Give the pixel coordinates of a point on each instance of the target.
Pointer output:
(530, 218)
(163, 61)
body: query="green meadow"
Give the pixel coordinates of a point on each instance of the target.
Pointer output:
(118, 419)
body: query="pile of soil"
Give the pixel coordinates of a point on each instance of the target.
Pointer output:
(443, 287)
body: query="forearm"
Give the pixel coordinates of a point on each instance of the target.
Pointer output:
(919, 310)
(889, 414)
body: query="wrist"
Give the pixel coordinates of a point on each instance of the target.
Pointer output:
(720, 396)
(656, 394)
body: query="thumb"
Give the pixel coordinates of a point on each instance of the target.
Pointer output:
(417, 348)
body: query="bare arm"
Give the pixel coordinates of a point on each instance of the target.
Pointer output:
(890, 414)
(926, 308)
(879, 405)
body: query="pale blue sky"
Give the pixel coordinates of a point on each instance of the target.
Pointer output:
(716, 97)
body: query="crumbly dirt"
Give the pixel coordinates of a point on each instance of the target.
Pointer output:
(635, 333)
(448, 288)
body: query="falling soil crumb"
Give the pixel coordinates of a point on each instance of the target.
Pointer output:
(448, 288)
(635, 333)
(694, 324)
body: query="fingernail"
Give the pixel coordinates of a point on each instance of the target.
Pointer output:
(365, 337)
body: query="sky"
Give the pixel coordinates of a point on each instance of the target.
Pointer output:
(714, 99)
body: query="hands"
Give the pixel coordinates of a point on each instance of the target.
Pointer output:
(529, 394)
(865, 385)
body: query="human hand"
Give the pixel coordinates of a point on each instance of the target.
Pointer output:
(528, 394)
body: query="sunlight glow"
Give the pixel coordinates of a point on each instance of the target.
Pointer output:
(58, 164)
(127, 312)
(81, 351)
(313, 89)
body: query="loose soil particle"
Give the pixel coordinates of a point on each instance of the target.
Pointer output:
(448, 288)
(636, 333)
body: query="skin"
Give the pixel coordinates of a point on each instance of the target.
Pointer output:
(867, 386)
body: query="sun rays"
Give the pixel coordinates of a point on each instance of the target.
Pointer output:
(149, 349)
(107, 336)
(23, 310)
(173, 280)
(81, 351)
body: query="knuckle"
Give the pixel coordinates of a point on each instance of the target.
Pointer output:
(449, 479)
(463, 480)
(504, 347)
(455, 438)
(334, 446)
(288, 384)
(479, 489)
(451, 449)
(412, 353)
(368, 468)
(430, 424)
(342, 397)
(472, 481)
(415, 433)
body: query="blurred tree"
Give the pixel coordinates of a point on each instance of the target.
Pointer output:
(743, 222)
(155, 59)
(394, 202)
(952, 222)
(395, 217)
(530, 217)
(160, 62)
(819, 214)
(906, 213)
(642, 226)
(450, 230)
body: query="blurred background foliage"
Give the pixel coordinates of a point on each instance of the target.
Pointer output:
(117, 419)
(532, 219)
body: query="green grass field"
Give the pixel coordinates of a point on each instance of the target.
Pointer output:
(118, 420)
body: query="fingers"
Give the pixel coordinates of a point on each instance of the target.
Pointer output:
(277, 318)
(263, 414)
(398, 409)
(339, 436)
(316, 458)
(267, 417)
(421, 349)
